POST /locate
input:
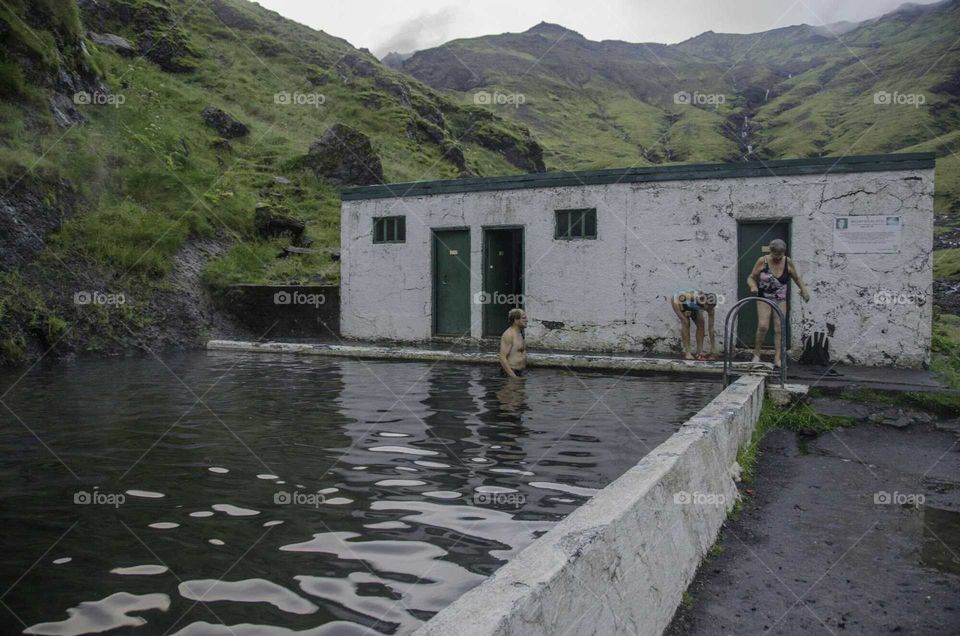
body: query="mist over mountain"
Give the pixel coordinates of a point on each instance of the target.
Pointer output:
(889, 84)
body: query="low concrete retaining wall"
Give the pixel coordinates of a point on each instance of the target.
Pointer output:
(620, 563)
(287, 311)
(556, 360)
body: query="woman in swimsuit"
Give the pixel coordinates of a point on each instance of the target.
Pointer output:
(770, 279)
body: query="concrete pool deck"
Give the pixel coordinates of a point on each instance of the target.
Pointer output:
(564, 360)
(836, 376)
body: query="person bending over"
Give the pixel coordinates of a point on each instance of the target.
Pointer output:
(693, 305)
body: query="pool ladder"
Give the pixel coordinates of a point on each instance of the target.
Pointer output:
(729, 326)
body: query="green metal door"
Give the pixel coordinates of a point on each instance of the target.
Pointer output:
(752, 241)
(502, 277)
(451, 282)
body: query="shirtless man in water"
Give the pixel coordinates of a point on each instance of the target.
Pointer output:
(513, 348)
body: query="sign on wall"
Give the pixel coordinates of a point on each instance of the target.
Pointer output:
(867, 234)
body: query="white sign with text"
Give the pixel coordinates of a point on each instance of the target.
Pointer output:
(867, 234)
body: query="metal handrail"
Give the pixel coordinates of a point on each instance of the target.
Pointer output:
(728, 336)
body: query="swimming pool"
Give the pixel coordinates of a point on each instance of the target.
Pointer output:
(278, 494)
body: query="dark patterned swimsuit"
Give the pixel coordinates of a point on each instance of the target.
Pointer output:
(774, 287)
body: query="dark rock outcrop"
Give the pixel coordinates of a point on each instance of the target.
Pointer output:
(440, 68)
(168, 51)
(395, 60)
(345, 156)
(356, 65)
(422, 130)
(223, 123)
(454, 154)
(946, 295)
(159, 37)
(111, 41)
(49, 52)
(523, 152)
(273, 221)
(230, 16)
(28, 213)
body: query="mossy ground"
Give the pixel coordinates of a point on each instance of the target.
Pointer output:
(946, 264)
(798, 418)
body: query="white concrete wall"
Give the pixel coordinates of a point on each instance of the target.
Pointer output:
(620, 563)
(654, 238)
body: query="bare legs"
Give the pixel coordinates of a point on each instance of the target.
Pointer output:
(764, 312)
(701, 327)
(685, 331)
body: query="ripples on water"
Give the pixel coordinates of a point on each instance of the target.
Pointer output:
(283, 495)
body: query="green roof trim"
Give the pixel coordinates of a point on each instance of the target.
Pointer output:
(777, 168)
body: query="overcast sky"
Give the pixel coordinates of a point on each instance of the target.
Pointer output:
(409, 25)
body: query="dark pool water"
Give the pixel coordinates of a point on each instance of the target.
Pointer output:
(281, 495)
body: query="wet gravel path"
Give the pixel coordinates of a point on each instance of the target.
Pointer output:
(834, 539)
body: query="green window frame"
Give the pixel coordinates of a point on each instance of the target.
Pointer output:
(579, 223)
(390, 229)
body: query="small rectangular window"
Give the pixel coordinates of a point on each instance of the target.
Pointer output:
(390, 229)
(576, 224)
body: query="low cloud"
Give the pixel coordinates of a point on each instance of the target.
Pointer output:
(424, 31)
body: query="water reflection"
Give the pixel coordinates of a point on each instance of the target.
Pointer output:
(282, 495)
(512, 401)
(940, 545)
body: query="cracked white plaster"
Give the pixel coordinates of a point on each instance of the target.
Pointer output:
(610, 294)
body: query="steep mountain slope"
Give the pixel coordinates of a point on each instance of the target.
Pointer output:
(790, 92)
(139, 138)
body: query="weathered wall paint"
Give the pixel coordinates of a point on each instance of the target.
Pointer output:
(654, 238)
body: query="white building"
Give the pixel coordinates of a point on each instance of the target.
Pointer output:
(594, 256)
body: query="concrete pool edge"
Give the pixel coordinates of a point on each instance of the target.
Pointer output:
(622, 561)
(585, 360)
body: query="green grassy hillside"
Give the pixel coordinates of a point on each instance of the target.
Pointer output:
(792, 92)
(135, 176)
